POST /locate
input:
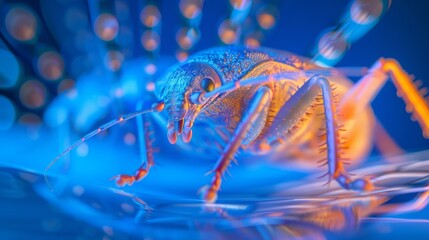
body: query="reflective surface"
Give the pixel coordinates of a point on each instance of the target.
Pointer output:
(85, 204)
(73, 65)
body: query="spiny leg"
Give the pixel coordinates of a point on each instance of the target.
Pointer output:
(336, 169)
(292, 112)
(145, 151)
(259, 102)
(361, 95)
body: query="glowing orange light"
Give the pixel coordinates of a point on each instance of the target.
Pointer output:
(239, 4)
(181, 56)
(32, 94)
(150, 16)
(187, 37)
(50, 65)
(190, 9)
(21, 24)
(228, 32)
(252, 42)
(266, 20)
(113, 60)
(106, 27)
(150, 40)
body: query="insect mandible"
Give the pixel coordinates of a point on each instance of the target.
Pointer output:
(273, 103)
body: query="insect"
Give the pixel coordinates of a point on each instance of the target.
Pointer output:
(272, 103)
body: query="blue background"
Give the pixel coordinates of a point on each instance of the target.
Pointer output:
(402, 34)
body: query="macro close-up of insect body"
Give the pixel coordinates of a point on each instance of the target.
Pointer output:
(272, 105)
(234, 119)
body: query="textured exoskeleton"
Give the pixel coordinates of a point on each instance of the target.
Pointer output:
(269, 102)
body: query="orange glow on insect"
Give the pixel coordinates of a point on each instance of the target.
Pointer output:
(323, 113)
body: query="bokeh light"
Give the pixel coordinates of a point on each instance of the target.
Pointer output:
(228, 32)
(240, 4)
(190, 9)
(29, 119)
(9, 69)
(150, 40)
(150, 16)
(150, 86)
(65, 85)
(113, 60)
(129, 139)
(7, 113)
(50, 65)
(82, 150)
(252, 42)
(67, 67)
(187, 37)
(106, 26)
(181, 55)
(21, 23)
(366, 11)
(78, 190)
(332, 45)
(33, 124)
(266, 17)
(150, 68)
(33, 94)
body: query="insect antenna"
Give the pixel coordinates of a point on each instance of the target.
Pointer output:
(157, 107)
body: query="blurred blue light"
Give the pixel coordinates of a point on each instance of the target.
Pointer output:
(240, 12)
(166, 203)
(7, 113)
(56, 113)
(9, 69)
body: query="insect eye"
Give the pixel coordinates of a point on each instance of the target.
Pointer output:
(207, 84)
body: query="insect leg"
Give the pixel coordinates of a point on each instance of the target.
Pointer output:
(259, 102)
(155, 108)
(145, 151)
(295, 108)
(360, 96)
